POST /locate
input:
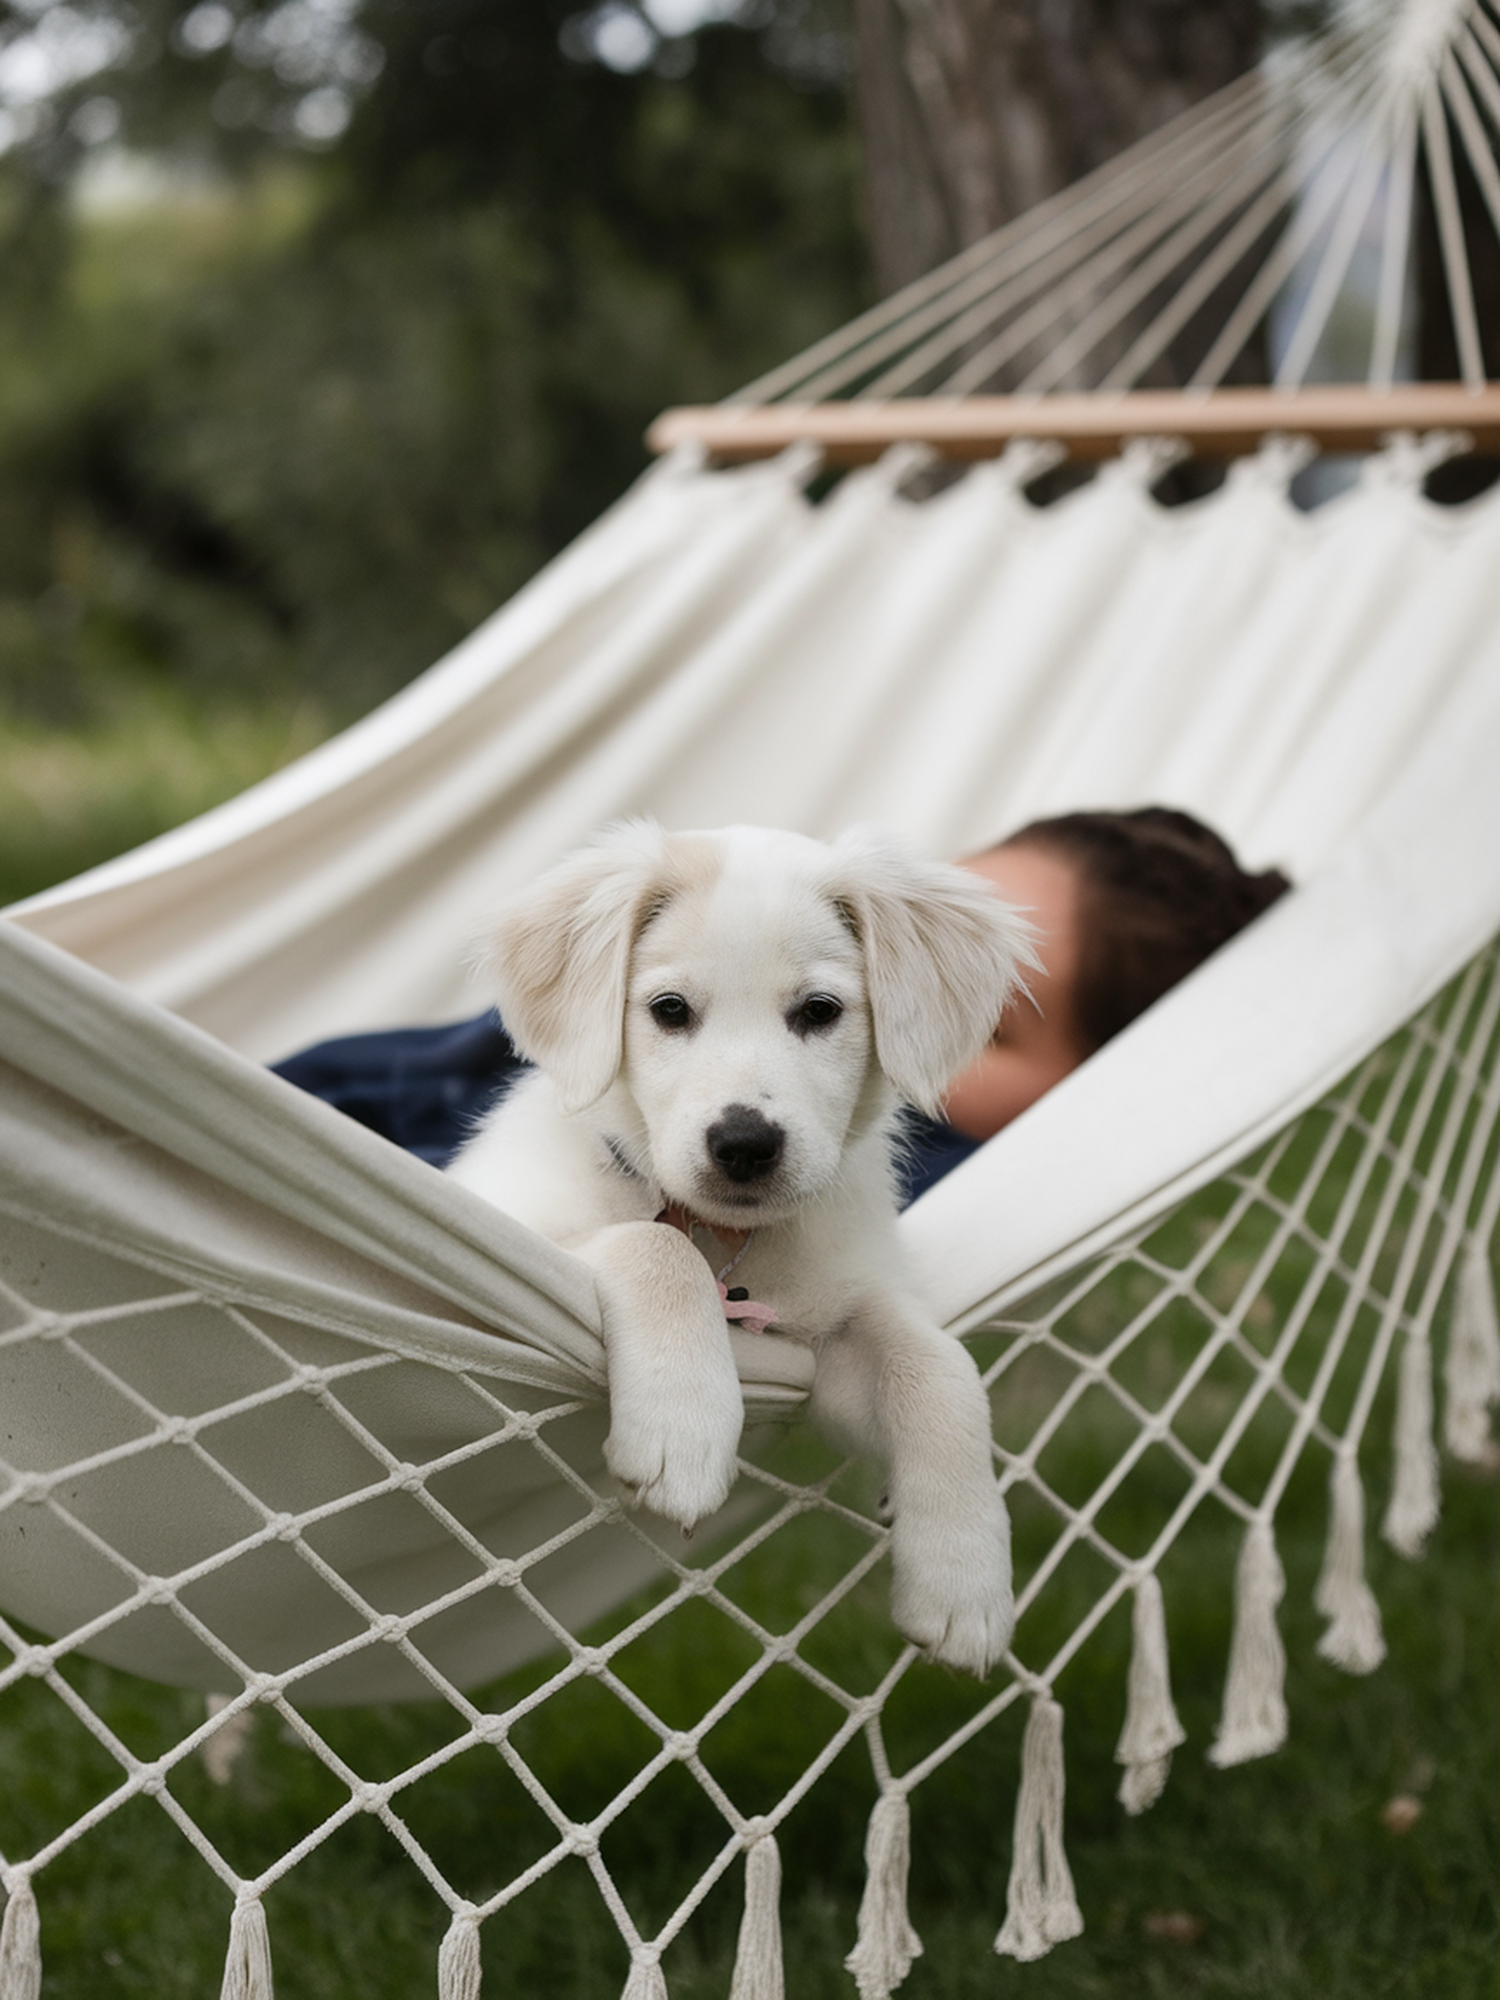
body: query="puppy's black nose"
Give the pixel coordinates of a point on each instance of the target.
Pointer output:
(743, 1145)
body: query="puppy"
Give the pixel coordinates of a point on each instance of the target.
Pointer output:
(725, 1026)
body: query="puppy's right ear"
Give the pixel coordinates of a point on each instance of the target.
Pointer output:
(942, 955)
(557, 958)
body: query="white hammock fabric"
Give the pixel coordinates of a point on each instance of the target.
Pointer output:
(290, 1419)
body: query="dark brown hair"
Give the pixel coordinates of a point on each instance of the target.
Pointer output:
(1158, 893)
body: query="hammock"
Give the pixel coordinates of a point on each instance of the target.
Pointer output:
(292, 1421)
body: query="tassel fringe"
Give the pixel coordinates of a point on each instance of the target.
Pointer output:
(1041, 1907)
(1413, 1511)
(21, 1946)
(1152, 1731)
(886, 1945)
(1354, 1640)
(758, 1971)
(458, 1960)
(1472, 1372)
(247, 1966)
(1253, 1723)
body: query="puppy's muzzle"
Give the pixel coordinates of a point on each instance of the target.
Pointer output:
(744, 1145)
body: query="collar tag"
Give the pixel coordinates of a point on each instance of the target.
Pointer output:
(739, 1308)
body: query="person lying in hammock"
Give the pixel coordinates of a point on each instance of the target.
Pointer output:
(1125, 904)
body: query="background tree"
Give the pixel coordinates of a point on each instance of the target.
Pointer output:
(392, 335)
(972, 111)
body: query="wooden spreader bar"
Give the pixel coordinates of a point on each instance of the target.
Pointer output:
(1218, 423)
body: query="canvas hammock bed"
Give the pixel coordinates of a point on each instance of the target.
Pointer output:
(291, 1420)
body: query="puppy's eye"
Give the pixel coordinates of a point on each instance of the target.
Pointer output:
(671, 1011)
(818, 1010)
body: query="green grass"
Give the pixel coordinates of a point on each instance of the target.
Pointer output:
(72, 797)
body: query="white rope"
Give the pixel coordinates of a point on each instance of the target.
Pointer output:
(1371, 168)
(1478, 149)
(1051, 223)
(1180, 214)
(1302, 231)
(1451, 241)
(1120, 276)
(1199, 281)
(1087, 255)
(1395, 253)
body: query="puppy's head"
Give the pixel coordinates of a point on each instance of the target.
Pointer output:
(745, 992)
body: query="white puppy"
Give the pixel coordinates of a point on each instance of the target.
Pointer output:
(725, 1025)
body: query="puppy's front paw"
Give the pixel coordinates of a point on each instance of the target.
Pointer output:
(672, 1445)
(951, 1584)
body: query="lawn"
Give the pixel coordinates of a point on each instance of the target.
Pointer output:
(143, 762)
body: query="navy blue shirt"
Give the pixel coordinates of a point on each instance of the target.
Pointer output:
(426, 1088)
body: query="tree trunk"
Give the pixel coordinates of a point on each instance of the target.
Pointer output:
(974, 110)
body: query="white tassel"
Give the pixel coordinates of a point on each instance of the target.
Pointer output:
(1253, 1723)
(458, 1960)
(647, 1981)
(1041, 1909)
(1152, 1731)
(1354, 1640)
(757, 1959)
(247, 1965)
(1413, 1511)
(21, 1945)
(886, 1944)
(1471, 1375)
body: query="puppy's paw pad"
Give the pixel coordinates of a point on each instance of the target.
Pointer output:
(951, 1595)
(679, 1482)
(974, 1641)
(968, 1633)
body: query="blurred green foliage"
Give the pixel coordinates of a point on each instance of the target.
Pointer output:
(277, 437)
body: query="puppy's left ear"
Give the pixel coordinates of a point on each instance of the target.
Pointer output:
(942, 956)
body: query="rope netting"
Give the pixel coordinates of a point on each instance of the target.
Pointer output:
(1257, 1352)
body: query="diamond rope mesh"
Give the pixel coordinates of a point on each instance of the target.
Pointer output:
(1216, 1367)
